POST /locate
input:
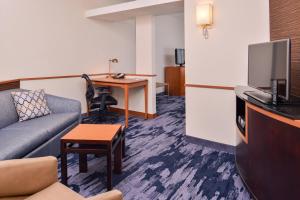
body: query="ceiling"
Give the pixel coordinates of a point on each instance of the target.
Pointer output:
(132, 9)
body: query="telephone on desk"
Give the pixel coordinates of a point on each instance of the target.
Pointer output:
(118, 76)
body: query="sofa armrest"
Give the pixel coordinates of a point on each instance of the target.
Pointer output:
(63, 105)
(111, 195)
(27, 176)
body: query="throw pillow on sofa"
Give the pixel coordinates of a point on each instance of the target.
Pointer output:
(30, 104)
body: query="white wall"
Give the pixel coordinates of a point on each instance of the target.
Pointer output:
(145, 57)
(145, 44)
(169, 34)
(52, 37)
(136, 97)
(220, 60)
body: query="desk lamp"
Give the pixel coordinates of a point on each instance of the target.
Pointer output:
(113, 60)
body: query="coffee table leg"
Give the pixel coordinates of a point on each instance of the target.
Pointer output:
(83, 167)
(123, 147)
(123, 142)
(64, 166)
(109, 167)
(118, 158)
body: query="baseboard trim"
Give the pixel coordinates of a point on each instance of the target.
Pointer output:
(134, 113)
(214, 145)
(131, 112)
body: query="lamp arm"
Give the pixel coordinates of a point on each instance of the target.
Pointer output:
(205, 32)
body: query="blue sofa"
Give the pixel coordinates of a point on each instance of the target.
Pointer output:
(36, 137)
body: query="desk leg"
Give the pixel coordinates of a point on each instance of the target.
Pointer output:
(109, 167)
(63, 164)
(126, 97)
(146, 100)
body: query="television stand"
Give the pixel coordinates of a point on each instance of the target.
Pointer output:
(259, 96)
(267, 152)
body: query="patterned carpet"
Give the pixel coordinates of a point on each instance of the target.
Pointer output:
(160, 164)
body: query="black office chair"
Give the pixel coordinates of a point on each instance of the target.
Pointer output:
(98, 98)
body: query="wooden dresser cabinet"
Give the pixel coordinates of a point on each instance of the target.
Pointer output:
(267, 151)
(175, 77)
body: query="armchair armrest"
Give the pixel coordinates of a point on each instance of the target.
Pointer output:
(63, 105)
(27, 176)
(111, 195)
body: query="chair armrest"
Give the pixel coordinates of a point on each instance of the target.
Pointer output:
(63, 105)
(27, 176)
(100, 93)
(111, 195)
(103, 90)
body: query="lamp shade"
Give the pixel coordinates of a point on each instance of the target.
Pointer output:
(204, 14)
(114, 60)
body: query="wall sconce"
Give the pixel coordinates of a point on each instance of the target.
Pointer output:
(205, 17)
(113, 60)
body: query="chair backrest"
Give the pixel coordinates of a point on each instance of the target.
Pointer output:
(90, 91)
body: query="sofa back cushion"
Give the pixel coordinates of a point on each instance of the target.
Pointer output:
(8, 113)
(30, 104)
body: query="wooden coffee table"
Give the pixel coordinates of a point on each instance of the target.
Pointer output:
(98, 139)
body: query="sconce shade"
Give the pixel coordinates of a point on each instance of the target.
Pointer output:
(204, 14)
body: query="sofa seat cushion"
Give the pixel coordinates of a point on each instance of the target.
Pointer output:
(19, 139)
(56, 191)
(53, 123)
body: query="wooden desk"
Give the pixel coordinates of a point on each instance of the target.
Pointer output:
(125, 84)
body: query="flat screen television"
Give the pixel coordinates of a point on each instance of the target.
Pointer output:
(179, 57)
(269, 64)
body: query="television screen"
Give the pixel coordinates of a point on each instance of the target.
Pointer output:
(270, 62)
(179, 57)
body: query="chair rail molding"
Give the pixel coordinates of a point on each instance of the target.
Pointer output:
(218, 87)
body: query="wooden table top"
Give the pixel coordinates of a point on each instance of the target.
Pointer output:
(121, 81)
(93, 132)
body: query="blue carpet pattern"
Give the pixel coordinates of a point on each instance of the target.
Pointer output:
(160, 164)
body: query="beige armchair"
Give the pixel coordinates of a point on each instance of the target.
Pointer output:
(36, 179)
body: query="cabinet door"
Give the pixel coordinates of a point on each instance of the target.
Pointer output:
(270, 162)
(182, 81)
(172, 77)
